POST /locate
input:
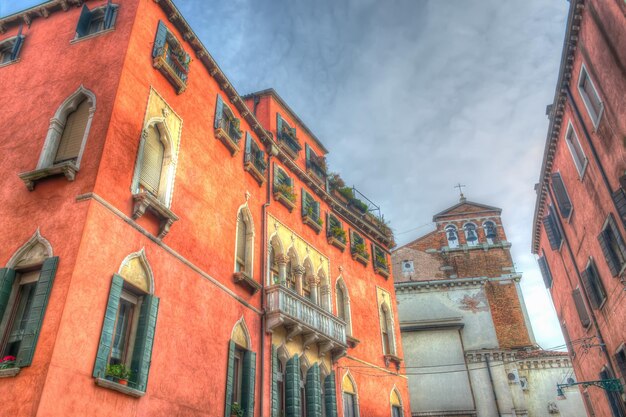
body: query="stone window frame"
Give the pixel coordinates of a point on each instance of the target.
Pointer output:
(576, 150)
(341, 284)
(386, 314)
(355, 394)
(392, 405)
(45, 165)
(582, 75)
(245, 213)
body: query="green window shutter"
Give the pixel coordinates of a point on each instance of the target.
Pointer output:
(313, 392)
(159, 40)
(247, 386)
(330, 395)
(219, 109)
(15, 52)
(229, 378)
(144, 339)
(82, 28)
(562, 199)
(292, 387)
(37, 312)
(619, 199)
(106, 336)
(304, 202)
(7, 277)
(275, 376)
(248, 144)
(279, 125)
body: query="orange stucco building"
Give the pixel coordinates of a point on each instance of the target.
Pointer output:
(173, 248)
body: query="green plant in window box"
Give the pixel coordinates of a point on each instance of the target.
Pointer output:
(236, 410)
(118, 372)
(7, 362)
(381, 261)
(338, 233)
(319, 221)
(346, 192)
(286, 190)
(237, 126)
(358, 204)
(359, 248)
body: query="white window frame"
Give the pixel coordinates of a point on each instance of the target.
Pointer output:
(595, 118)
(581, 166)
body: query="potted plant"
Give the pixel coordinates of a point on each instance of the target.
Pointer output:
(236, 410)
(285, 190)
(338, 233)
(7, 362)
(119, 373)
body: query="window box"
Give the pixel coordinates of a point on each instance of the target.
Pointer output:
(170, 58)
(287, 139)
(335, 233)
(315, 166)
(243, 279)
(381, 270)
(67, 168)
(335, 241)
(227, 126)
(312, 222)
(287, 200)
(381, 264)
(144, 200)
(124, 389)
(254, 160)
(9, 372)
(362, 257)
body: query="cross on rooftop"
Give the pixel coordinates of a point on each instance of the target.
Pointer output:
(460, 187)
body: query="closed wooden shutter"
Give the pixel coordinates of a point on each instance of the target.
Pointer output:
(37, 312)
(313, 392)
(230, 375)
(619, 198)
(144, 340)
(292, 388)
(583, 315)
(7, 276)
(552, 231)
(545, 271)
(275, 377)
(247, 383)
(611, 258)
(73, 133)
(330, 395)
(106, 336)
(562, 199)
(152, 163)
(82, 28)
(593, 286)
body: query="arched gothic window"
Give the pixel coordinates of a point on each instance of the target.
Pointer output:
(343, 305)
(386, 327)
(471, 237)
(491, 234)
(396, 403)
(349, 397)
(452, 236)
(245, 242)
(241, 371)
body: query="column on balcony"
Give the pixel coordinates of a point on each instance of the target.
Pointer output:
(282, 261)
(314, 282)
(298, 272)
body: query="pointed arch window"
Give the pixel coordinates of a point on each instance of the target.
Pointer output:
(386, 328)
(471, 237)
(66, 138)
(25, 286)
(241, 372)
(244, 250)
(349, 397)
(396, 404)
(128, 330)
(491, 233)
(452, 236)
(343, 305)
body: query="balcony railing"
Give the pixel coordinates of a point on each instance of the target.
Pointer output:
(228, 126)
(302, 317)
(316, 169)
(175, 65)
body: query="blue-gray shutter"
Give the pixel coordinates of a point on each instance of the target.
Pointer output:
(330, 395)
(7, 277)
(17, 45)
(545, 271)
(144, 340)
(619, 198)
(279, 125)
(248, 376)
(109, 14)
(292, 387)
(552, 231)
(37, 312)
(562, 199)
(219, 108)
(275, 377)
(230, 370)
(159, 39)
(248, 145)
(307, 151)
(82, 28)
(313, 392)
(580, 308)
(108, 325)
(304, 202)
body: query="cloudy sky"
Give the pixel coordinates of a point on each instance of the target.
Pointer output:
(411, 97)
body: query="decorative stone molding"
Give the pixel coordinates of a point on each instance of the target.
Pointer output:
(478, 356)
(442, 284)
(145, 200)
(242, 278)
(9, 373)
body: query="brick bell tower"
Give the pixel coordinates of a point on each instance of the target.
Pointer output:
(469, 242)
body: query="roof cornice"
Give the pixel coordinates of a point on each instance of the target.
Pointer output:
(570, 43)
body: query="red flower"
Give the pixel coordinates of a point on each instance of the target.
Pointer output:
(8, 359)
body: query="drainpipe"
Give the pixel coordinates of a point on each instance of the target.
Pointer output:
(264, 269)
(493, 387)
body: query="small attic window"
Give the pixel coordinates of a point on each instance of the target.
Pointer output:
(10, 48)
(408, 267)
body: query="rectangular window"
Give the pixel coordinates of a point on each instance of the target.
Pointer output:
(170, 58)
(593, 285)
(22, 306)
(315, 165)
(97, 20)
(237, 376)
(380, 258)
(335, 229)
(10, 48)
(590, 96)
(583, 315)
(613, 246)
(562, 198)
(287, 138)
(545, 271)
(124, 325)
(573, 144)
(552, 229)
(310, 207)
(349, 406)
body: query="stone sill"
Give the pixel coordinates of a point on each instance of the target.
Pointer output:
(242, 278)
(161, 64)
(144, 200)
(67, 168)
(91, 36)
(9, 372)
(229, 142)
(281, 198)
(124, 389)
(382, 271)
(15, 61)
(360, 258)
(253, 170)
(309, 221)
(336, 243)
(287, 149)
